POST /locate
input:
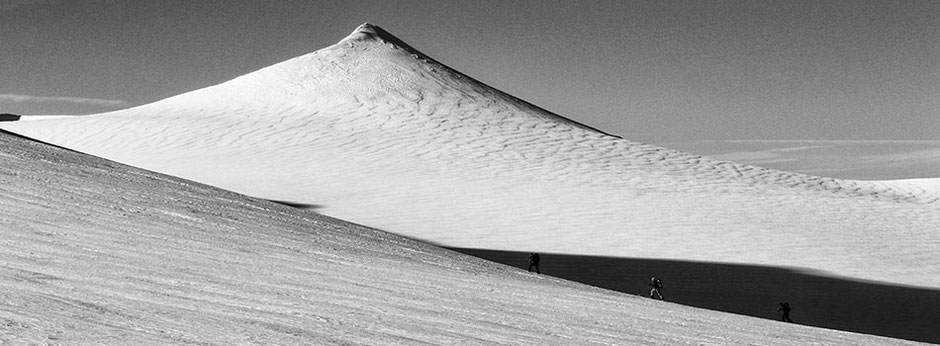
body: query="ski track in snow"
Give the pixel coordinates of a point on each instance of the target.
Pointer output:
(379, 134)
(94, 252)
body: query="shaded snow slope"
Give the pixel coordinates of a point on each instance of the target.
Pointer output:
(95, 252)
(371, 131)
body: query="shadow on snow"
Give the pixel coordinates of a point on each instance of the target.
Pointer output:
(817, 300)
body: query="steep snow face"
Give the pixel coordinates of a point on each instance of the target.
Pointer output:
(94, 252)
(372, 131)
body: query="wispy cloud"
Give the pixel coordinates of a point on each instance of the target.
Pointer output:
(832, 141)
(11, 4)
(6, 5)
(61, 99)
(847, 159)
(931, 155)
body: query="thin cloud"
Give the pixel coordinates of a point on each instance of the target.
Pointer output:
(61, 99)
(931, 155)
(846, 159)
(832, 141)
(6, 5)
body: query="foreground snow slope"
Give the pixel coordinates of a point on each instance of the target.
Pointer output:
(372, 131)
(97, 252)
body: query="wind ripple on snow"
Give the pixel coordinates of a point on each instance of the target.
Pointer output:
(379, 134)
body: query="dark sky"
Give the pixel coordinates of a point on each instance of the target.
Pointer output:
(655, 71)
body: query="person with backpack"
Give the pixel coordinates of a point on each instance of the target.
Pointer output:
(785, 312)
(656, 288)
(534, 260)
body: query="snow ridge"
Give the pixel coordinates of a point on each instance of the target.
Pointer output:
(368, 32)
(95, 252)
(379, 134)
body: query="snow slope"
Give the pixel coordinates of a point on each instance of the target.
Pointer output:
(372, 131)
(95, 252)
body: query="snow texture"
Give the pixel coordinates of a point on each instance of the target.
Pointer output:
(372, 131)
(96, 252)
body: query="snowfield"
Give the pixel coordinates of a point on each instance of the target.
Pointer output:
(96, 252)
(372, 131)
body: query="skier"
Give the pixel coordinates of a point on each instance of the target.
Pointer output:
(656, 288)
(534, 260)
(785, 312)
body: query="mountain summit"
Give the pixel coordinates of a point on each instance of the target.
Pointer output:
(369, 32)
(375, 132)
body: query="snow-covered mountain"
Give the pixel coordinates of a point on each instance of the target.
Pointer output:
(372, 131)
